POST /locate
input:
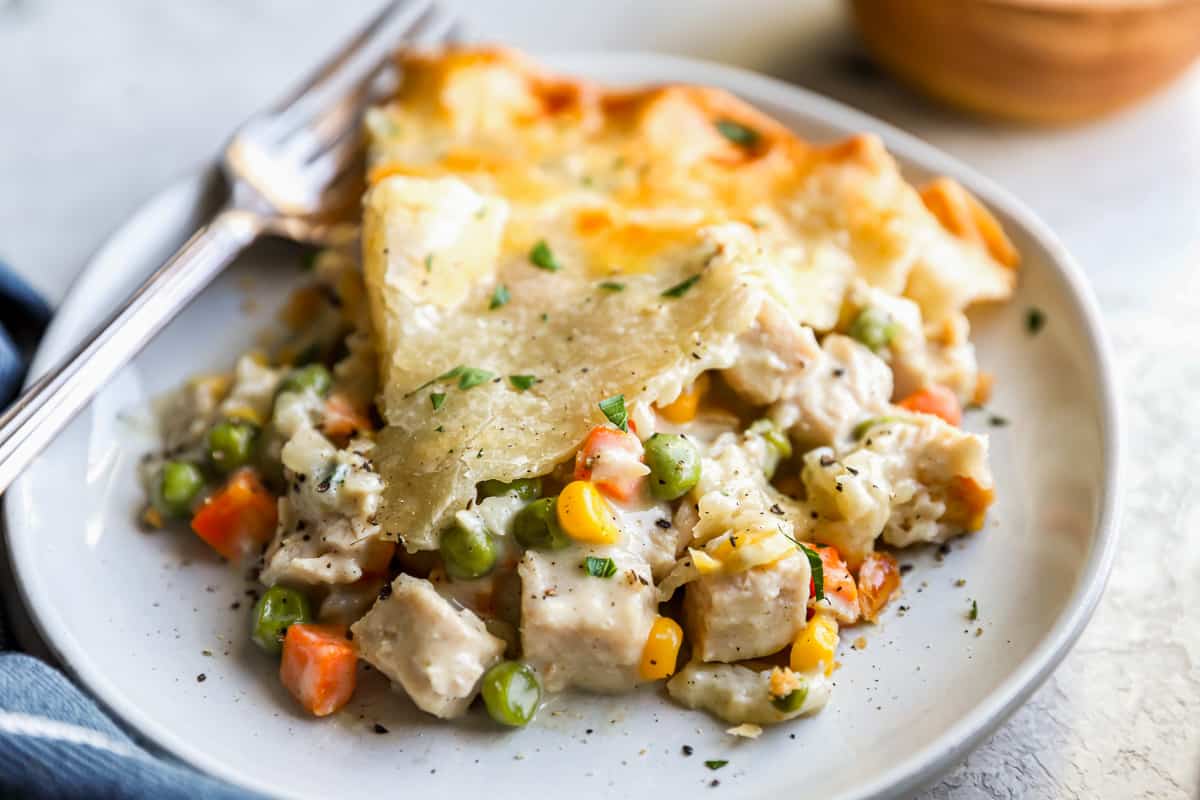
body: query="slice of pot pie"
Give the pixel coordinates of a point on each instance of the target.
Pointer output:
(629, 387)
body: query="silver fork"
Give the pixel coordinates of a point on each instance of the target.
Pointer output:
(289, 170)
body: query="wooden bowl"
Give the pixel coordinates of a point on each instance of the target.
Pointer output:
(1033, 60)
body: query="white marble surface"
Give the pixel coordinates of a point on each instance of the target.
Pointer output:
(101, 103)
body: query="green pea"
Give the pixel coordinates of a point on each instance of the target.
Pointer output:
(522, 488)
(536, 526)
(792, 701)
(468, 549)
(176, 488)
(511, 691)
(278, 608)
(674, 464)
(313, 377)
(779, 446)
(860, 430)
(231, 444)
(874, 328)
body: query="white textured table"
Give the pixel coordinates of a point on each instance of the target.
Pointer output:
(104, 102)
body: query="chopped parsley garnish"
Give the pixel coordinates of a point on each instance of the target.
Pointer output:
(429, 263)
(500, 297)
(522, 382)
(599, 567)
(445, 376)
(612, 286)
(1035, 320)
(681, 288)
(737, 133)
(543, 258)
(436, 399)
(973, 614)
(614, 408)
(473, 376)
(715, 763)
(544, 317)
(817, 569)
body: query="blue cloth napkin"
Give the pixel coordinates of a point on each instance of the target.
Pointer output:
(55, 742)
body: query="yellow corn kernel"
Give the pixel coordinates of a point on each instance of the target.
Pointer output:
(684, 407)
(584, 516)
(244, 412)
(816, 645)
(661, 650)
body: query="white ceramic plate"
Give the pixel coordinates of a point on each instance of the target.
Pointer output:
(138, 617)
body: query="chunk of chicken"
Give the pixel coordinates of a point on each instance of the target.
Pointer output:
(920, 357)
(846, 385)
(437, 653)
(733, 491)
(912, 479)
(327, 530)
(749, 614)
(773, 354)
(585, 631)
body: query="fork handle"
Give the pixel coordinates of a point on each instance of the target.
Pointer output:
(45, 408)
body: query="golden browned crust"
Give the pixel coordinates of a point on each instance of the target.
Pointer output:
(965, 217)
(675, 124)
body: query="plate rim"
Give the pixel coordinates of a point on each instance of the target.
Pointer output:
(910, 774)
